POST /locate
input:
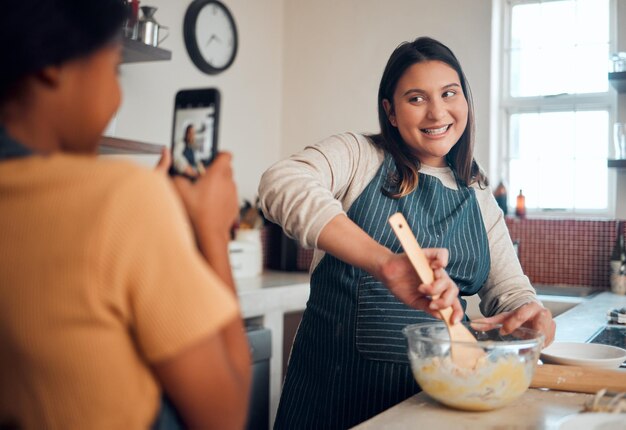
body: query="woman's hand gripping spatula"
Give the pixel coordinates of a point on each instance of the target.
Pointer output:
(463, 355)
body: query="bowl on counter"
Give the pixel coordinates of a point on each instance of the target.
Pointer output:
(584, 354)
(502, 375)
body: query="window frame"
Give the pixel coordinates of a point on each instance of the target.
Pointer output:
(508, 106)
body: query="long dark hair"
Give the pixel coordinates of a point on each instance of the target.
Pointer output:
(460, 158)
(186, 137)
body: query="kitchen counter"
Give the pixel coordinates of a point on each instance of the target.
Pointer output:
(273, 291)
(582, 321)
(265, 300)
(536, 409)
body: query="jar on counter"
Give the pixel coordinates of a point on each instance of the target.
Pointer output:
(618, 283)
(618, 262)
(246, 253)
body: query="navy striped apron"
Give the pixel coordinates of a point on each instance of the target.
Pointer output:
(349, 359)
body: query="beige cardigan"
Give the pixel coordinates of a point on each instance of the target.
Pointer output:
(305, 191)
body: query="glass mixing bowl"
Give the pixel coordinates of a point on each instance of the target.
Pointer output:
(502, 375)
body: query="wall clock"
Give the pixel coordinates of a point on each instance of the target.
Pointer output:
(210, 35)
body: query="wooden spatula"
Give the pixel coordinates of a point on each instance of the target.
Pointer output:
(462, 355)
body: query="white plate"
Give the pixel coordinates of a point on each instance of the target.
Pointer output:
(593, 421)
(584, 354)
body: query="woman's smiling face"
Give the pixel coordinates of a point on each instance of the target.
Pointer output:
(429, 110)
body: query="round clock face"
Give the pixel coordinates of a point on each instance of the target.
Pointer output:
(210, 35)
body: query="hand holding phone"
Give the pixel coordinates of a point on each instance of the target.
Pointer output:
(211, 201)
(194, 131)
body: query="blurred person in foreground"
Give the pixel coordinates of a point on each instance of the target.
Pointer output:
(115, 284)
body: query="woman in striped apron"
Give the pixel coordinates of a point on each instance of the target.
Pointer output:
(349, 359)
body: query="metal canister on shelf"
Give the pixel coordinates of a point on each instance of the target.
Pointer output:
(618, 62)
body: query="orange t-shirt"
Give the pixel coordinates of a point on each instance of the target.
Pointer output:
(99, 278)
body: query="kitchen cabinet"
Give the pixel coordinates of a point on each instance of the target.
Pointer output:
(266, 299)
(134, 51)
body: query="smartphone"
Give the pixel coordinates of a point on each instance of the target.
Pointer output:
(194, 131)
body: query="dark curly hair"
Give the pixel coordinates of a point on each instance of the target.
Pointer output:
(40, 33)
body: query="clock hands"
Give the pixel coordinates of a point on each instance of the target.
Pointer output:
(212, 38)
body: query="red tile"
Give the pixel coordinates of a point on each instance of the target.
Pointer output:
(570, 252)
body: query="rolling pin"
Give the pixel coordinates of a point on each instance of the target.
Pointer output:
(578, 379)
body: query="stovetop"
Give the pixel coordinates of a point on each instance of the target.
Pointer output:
(611, 334)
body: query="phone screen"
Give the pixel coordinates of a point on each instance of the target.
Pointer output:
(194, 132)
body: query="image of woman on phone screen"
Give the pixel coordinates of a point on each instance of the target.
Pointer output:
(185, 158)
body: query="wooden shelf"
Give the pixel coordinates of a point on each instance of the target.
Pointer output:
(618, 81)
(135, 51)
(617, 163)
(114, 145)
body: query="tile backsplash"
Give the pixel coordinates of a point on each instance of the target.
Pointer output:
(551, 251)
(570, 252)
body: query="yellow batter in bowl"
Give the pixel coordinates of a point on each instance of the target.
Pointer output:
(488, 386)
(500, 377)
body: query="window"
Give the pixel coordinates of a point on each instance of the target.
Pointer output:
(556, 106)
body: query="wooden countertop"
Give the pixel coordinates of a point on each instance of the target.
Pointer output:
(536, 409)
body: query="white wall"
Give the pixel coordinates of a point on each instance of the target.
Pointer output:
(308, 69)
(251, 89)
(304, 70)
(335, 53)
